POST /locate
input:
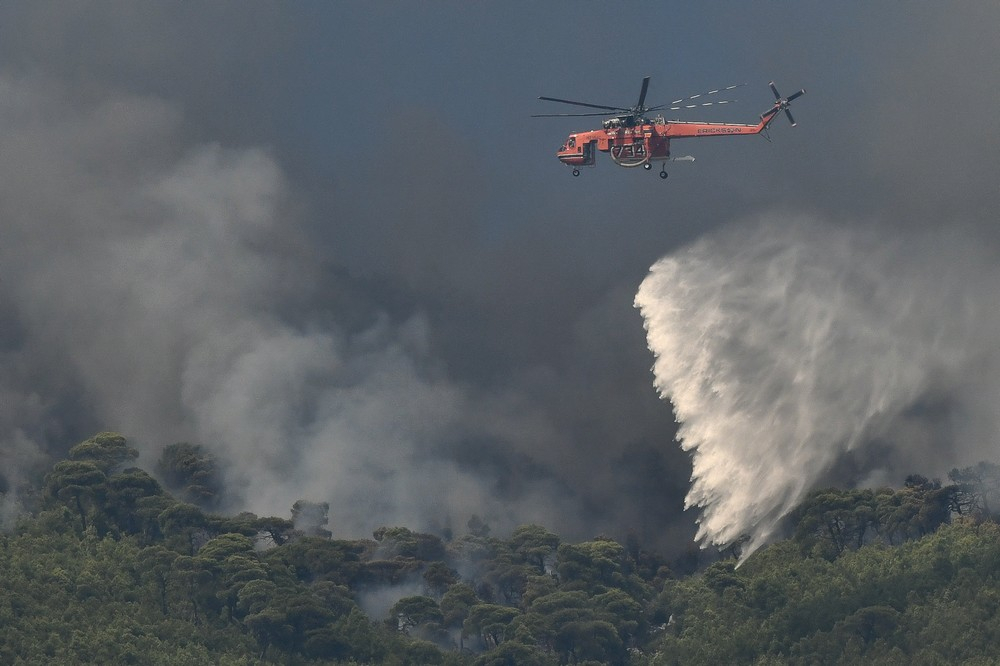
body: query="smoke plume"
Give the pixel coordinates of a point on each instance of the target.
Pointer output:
(168, 293)
(797, 352)
(167, 288)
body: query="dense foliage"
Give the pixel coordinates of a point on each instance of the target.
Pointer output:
(113, 569)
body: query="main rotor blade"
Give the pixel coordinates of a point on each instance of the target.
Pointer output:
(695, 106)
(790, 119)
(706, 94)
(592, 106)
(567, 115)
(642, 95)
(796, 95)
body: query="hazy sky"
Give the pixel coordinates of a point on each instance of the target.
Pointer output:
(327, 241)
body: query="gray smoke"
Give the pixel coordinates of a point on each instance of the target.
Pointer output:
(150, 289)
(797, 352)
(167, 288)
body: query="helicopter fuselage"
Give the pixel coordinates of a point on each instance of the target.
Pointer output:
(648, 141)
(634, 138)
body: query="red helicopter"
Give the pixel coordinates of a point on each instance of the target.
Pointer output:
(634, 139)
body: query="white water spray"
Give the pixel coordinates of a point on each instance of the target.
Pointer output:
(787, 346)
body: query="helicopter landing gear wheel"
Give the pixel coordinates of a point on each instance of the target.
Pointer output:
(576, 172)
(647, 166)
(663, 174)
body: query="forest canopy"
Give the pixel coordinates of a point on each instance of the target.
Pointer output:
(113, 565)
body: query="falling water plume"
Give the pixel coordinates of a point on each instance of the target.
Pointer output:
(787, 346)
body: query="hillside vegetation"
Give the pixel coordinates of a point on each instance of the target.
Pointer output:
(111, 568)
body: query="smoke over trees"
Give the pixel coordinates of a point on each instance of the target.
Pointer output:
(174, 293)
(214, 234)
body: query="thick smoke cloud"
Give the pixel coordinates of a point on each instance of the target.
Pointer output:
(165, 288)
(150, 286)
(797, 352)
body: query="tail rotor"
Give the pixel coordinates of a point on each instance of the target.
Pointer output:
(782, 104)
